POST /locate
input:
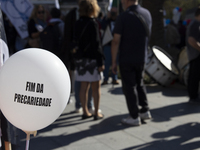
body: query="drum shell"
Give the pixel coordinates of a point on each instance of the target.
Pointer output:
(158, 72)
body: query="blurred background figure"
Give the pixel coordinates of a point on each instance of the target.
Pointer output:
(36, 24)
(193, 50)
(9, 133)
(172, 34)
(108, 24)
(182, 32)
(172, 39)
(52, 36)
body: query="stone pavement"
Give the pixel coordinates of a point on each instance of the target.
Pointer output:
(175, 124)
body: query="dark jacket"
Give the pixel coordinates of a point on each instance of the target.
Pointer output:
(69, 20)
(90, 39)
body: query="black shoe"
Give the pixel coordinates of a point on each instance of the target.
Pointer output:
(195, 100)
(115, 82)
(86, 117)
(97, 117)
(104, 83)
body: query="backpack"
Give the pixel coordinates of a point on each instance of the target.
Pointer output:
(51, 38)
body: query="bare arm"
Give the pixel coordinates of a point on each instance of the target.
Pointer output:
(7, 145)
(114, 51)
(193, 42)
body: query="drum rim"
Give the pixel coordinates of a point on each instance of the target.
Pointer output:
(159, 48)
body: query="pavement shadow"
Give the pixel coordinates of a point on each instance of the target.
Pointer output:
(107, 125)
(116, 91)
(175, 90)
(175, 138)
(168, 112)
(178, 138)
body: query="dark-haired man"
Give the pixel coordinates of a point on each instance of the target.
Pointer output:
(52, 36)
(56, 18)
(193, 50)
(131, 36)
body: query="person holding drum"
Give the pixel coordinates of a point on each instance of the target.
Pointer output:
(193, 50)
(131, 36)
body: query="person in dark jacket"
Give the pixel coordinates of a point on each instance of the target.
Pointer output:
(70, 21)
(193, 51)
(91, 63)
(108, 24)
(131, 38)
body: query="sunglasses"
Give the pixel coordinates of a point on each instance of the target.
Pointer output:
(40, 12)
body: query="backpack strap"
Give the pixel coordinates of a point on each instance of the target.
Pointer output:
(83, 30)
(143, 21)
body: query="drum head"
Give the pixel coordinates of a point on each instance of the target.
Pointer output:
(165, 59)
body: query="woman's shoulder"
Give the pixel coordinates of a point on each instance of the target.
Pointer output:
(83, 21)
(93, 22)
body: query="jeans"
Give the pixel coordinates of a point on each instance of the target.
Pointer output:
(133, 88)
(108, 62)
(77, 98)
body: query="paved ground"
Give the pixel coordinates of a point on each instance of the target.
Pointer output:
(175, 125)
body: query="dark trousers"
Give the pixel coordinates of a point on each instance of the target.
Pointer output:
(194, 78)
(133, 88)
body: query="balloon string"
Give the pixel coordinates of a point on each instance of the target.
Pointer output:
(27, 141)
(28, 133)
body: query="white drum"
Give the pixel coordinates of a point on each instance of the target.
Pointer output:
(161, 68)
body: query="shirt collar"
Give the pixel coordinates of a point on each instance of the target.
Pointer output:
(132, 7)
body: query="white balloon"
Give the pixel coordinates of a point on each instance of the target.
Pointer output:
(34, 89)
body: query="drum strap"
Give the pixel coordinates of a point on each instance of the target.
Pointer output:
(141, 18)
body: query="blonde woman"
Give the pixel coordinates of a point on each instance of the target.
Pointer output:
(36, 24)
(91, 61)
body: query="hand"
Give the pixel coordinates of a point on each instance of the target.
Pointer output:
(100, 69)
(108, 15)
(114, 68)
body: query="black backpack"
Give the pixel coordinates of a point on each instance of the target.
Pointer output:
(51, 38)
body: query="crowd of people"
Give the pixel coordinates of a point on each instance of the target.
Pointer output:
(93, 44)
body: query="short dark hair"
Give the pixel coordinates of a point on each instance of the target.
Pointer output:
(55, 13)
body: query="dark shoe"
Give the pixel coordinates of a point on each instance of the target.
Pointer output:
(115, 82)
(86, 117)
(98, 117)
(195, 100)
(104, 83)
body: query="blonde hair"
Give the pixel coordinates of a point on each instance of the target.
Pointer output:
(89, 8)
(35, 11)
